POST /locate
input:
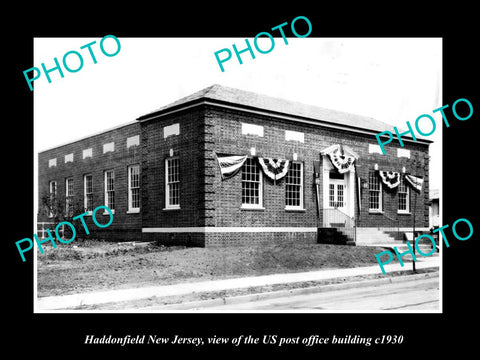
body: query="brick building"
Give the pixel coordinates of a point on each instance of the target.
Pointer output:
(226, 166)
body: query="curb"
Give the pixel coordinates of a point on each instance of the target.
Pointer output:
(73, 301)
(233, 300)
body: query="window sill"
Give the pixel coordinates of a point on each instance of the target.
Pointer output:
(107, 213)
(291, 208)
(133, 211)
(404, 213)
(250, 207)
(375, 211)
(172, 208)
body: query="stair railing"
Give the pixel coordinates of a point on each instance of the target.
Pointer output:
(395, 225)
(335, 218)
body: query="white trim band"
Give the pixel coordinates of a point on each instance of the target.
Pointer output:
(228, 229)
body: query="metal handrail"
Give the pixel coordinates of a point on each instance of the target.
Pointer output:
(335, 216)
(396, 224)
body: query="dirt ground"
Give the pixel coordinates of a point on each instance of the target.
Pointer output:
(91, 266)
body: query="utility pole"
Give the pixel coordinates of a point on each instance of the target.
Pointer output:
(413, 237)
(415, 167)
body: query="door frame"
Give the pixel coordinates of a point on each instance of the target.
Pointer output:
(349, 188)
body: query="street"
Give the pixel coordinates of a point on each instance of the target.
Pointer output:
(416, 294)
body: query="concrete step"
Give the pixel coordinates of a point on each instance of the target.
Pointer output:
(332, 236)
(373, 236)
(402, 248)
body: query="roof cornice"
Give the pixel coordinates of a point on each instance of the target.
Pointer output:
(271, 113)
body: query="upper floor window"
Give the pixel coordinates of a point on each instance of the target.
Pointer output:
(69, 158)
(87, 153)
(170, 130)
(133, 141)
(108, 147)
(252, 129)
(291, 135)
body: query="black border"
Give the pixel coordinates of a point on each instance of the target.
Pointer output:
(63, 334)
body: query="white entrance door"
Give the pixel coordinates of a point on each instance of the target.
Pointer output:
(337, 201)
(337, 190)
(337, 195)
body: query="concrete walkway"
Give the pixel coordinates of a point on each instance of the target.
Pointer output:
(46, 304)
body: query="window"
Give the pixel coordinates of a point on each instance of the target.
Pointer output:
(171, 130)
(251, 129)
(87, 153)
(69, 158)
(403, 153)
(52, 187)
(88, 192)
(251, 185)
(336, 192)
(52, 162)
(374, 149)
(172, 183)
(403, 197)
(133, 141)
(294, 186)
(110, 189)
(294, 136)
(134, 188)
(375, 192)
(69, 197)
(108, 147)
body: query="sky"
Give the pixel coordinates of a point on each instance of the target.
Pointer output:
(393, 80)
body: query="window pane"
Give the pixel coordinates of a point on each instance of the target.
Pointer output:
(173, 182)
(69, 197)
(374, 191)
(134, 187)
(402, 196)
(250, 183)
(340, 195)
(110, 189)
(88, 192)
(293, 185)
(332, 195)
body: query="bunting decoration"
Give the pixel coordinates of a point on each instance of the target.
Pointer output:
(275, 169)
(414, 181)
(343, 163)
(230, 165)
(390, 178)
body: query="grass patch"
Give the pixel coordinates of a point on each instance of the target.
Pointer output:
(101, 266)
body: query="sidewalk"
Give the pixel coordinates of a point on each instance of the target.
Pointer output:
(47, 304)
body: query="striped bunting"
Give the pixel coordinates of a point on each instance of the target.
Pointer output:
(390, 178)
(275, 169)
(230, 165)
(414, 181)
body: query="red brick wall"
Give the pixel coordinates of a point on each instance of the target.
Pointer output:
(206, 200)
(229, 140)
(155, 149)
(125, 226)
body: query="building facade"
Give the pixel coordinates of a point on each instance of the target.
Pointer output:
(226, 167)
